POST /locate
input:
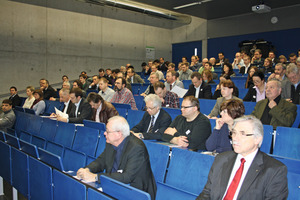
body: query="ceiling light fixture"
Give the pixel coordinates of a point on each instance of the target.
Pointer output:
(191, 4)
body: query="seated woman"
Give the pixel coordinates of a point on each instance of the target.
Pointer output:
(217, 92)
(227, 93)
(39, 104)
(207, 77)
(219, 140)
(257, 92)
(282, 59)
(249, 82)
(227, 71)
(268, 66)
(30, 99)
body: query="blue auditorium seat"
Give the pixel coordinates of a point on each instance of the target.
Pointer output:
(19, 169)
(51, 159)
(96, 125)
(135, 87)
(123, 112)
(50, 106)
(249, 107)
(35, 123)
(22, 121)
(101, 144)
(25, 136)
(119, 190)
(29, 148)
(183, 164)
(186, 83)
(40, 180)
(297, 120)
(122, 105)
(5, 162)
(38, 141)
(287, 143)
(134, 117)
(48, 129)
(173, 112)
(242, 92)
(66, 187)
(293, 176)
(54, 148)
(93, 194)
(29, 111)
(144, 87)
(65, 134)
(139, 101)
(2, 136)
(206, 105)
(19, 108)
(239, 81)
(86, 140)
(267, 141)
(12, 140)
(90, 159)
(11, 131)
(159, 157)
(212, 124)
(73, 160)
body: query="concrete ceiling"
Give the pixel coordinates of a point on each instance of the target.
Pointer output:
(217, 8)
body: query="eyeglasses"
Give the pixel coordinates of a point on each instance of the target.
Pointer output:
(146, 108)
(234, 133)
(107, 131)
(185, 107)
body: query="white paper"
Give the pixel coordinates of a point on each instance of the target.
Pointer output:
(179, 91)
(58, 112)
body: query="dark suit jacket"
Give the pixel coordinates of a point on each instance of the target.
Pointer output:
(84, 112)
(107, 111)
(71, 105)
(204, 92)
(50, 92)
(251, 95)
(161, 124)
(284, 114)
(134, 163)
(16, 100)
(266, 178)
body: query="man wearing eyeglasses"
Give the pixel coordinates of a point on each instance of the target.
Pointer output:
(246, 172)
(125, 158)
(154, 122)
(190, 129)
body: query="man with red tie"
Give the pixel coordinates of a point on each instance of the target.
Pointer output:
(246, 172)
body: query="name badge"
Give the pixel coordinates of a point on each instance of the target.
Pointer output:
(187, 132)
(120, 171)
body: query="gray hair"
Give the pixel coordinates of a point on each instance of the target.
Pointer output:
(156, 74)
(292, 68)
(120, 124)
(258, 129)
(278, 82)
(155, 99)
(282, 66)
(65, 90)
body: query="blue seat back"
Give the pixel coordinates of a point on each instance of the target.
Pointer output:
(19, 168)
(206, 105)
(50, 106)
(19, 108)
(22, 121)
(29, 148)
(11, 131)
(54, 148)
(186, 83)
(38, 141)
(66, 187)
(93, 194)
(139, 101)
(25, 136)
(40, 180)
(65, 134)
(173, 112)
(86, 140)
(123, 112)
(29, 111)
(159, 157)
(134, 117)
(267, 141)
(249, 107)
(51, 159)
(212, 124)
(101, 144)
(2, 136)
(5, 162)
(120, 190)
(35, 123)
(121, 105)
(135, 87)
(13, 141)
(297, 120)
(242, 92)
(48, 129)
(96, 125)
(73, 160)
(182, 164)
(287, 143)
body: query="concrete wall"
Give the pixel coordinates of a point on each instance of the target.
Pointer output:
(37, 41)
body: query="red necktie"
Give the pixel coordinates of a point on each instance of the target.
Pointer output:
(235, 182)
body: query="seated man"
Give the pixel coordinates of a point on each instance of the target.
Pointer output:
(154, 68)
(279, 72)
(48, 91)
(238, 62)
(81, 109)
(150, 89)
(199, 88)
(16, 100)
(168, 99)
(102, 110)
(95, 84)
(128, 84)
(275, 110)
(7, 116)
(291, 87)
(132, 77)
(195, 65)
(190, 129)
(185, 73)
(221, 59)
(257, 59)
(154, 122)
(125, 158)
(105, 92)
(171, 81)
(246, 172)
(64, 96)
(122, 94)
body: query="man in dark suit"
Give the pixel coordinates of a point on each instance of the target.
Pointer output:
(221, 60)
(125, 159)
(16, 100)
(95, 84)
(154, 122)
(64, 96)
(81, 109)
(199, 88)
(246, 172)
(48, 91)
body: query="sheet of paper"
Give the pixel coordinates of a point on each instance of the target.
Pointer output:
(179, 91)
(58, 112)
